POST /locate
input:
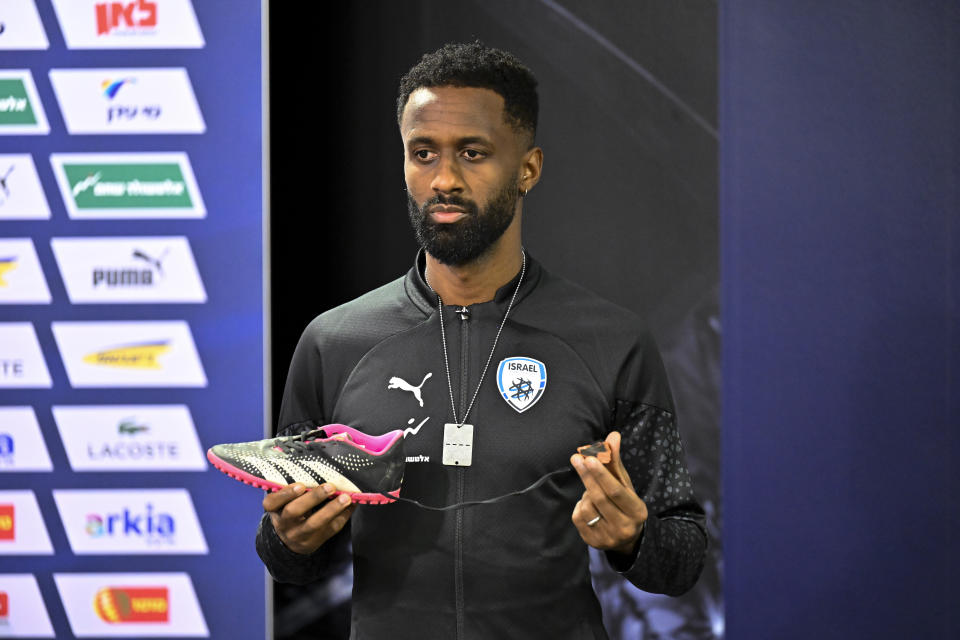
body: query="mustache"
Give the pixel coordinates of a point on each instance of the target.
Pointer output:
(467, 205)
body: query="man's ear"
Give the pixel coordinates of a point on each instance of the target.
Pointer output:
(530, 169)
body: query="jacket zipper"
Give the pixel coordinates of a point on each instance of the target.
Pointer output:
(464, 315)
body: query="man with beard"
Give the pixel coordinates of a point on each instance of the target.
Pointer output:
(510, 568)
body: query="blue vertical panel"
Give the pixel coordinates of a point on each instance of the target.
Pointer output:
(224, 401)
(839, 178)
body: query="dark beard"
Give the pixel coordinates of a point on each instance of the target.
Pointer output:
(464, 241)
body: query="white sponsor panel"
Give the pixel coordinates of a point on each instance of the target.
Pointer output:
(129, 438)
(129, 354)
(128, 185)
(22, 612)
(132, 100)
(22, 531)
(128, 270)
(21, 277)
(21, 112)
(160, 605)
(21, 28)
(21, 360)
(21, 194)
(128, 24)
(130, 521)
(21, 445)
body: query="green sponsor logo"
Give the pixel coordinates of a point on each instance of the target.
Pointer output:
(15, 107)
(151, 185)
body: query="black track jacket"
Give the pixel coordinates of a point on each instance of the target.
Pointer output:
(517, 568)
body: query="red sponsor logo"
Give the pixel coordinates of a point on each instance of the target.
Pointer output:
(4, 605)
(6, 522)
(125, 16)
(132, 604)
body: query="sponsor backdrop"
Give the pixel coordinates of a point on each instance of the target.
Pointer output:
(131, 305)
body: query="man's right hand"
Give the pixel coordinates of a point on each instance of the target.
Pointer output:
(301, 528)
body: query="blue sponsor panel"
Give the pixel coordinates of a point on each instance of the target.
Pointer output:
(131, 314)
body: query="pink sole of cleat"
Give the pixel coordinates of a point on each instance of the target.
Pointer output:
(253, 481)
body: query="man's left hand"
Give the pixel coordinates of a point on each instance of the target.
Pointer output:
(610, 496)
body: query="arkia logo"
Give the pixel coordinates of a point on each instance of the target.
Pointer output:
(7, 531)
(132, 604)
(4, 606)
(133, 356)
(126, 17)
(151, 526)
(6, 448)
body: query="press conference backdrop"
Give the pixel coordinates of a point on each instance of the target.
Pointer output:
(131, 306)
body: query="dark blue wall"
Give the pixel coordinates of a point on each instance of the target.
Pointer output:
(840, 167)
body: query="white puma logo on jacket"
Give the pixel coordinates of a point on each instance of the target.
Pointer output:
(400, 383)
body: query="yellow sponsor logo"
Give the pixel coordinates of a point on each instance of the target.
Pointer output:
(132, 604)
(6, 264)
(134, 356)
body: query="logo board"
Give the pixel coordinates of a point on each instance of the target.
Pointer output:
(127, 101)
(21, 277)
(21, 194)
(128, 270)
(128, 185)
(22, 531)
(129, 24)
(21, 361)
(521, 381)
(103, 605)
(21, 112)
(129, 354)
(129, 438)
(22, 611)
(130, 521)
(20, 26)
(21, 444)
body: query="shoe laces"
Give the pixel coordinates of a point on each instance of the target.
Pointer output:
(310, 440)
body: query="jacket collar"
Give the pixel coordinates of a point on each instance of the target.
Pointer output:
(425, 298)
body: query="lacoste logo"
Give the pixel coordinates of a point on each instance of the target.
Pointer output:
(400, 383)
(131, 427)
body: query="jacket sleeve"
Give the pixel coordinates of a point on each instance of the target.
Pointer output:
(301, 410)
(289, 566)
(670, 554)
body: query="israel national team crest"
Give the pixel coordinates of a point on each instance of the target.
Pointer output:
(521, 381)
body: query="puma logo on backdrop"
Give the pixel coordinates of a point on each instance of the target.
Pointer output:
(403, 385)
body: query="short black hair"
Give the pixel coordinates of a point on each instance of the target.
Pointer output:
(478, 66)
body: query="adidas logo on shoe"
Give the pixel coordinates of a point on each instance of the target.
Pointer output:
(367, 468)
